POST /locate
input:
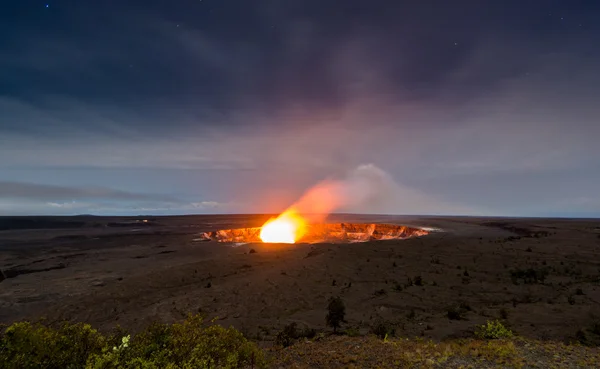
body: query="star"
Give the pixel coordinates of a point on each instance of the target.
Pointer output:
(47, 5)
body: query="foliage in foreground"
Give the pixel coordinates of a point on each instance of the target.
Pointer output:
(190, 344)
(367, 352)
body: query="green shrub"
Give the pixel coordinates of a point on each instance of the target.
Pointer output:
(190, 344)
(29, 345)
(493, 329)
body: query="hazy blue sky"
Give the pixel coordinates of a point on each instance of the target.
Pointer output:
(204, 106)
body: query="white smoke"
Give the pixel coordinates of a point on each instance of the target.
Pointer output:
(369, 189)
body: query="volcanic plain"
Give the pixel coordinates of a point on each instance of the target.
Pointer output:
(540, 276)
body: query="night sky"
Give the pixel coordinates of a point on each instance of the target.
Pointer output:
(222, 106)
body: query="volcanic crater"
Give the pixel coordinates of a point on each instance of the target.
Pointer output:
(323, 233)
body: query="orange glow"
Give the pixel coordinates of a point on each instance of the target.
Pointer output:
(286, 228)
(312, 207)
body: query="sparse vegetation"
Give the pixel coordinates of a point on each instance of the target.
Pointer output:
(529, 276)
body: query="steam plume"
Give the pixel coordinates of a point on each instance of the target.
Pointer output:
(364, 187)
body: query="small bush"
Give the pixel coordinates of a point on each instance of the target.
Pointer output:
(336, 312)
(493, 330)
(454, 313)
(382, 329)
(589, 336)
(380, 292)
(418, 281)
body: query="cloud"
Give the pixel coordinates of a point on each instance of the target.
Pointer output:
(34, 207)
(18, 198)
(32, 191)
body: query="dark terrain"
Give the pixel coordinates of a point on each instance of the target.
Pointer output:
(542, 276)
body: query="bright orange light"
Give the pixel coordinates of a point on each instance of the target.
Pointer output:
(286, 228)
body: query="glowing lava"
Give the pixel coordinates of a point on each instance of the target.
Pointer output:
(286, 228)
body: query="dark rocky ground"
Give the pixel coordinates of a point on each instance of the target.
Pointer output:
(541, 275)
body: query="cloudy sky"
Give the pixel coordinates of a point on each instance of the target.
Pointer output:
(213, 106)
